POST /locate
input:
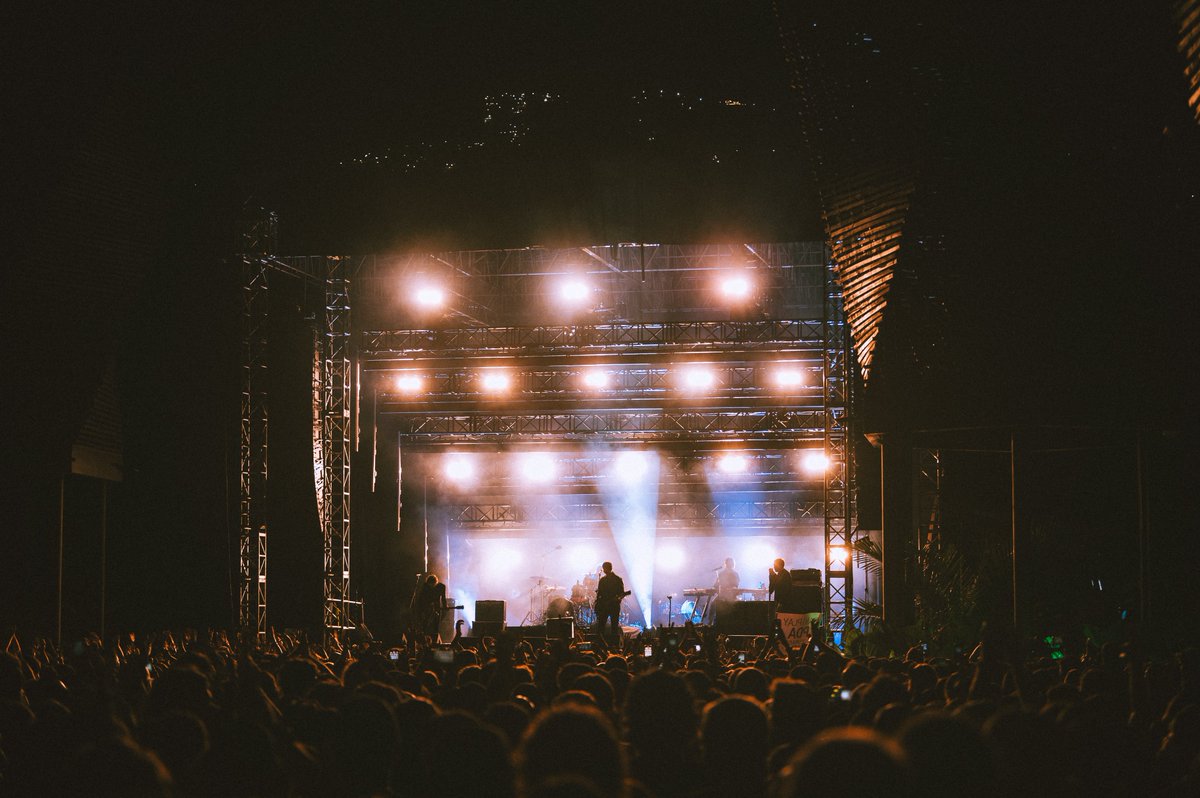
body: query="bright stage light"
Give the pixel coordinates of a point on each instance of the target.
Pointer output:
(459, 468)
(574, 292)
(536, 467)
(582, 558)
(815, 462)
(788, 377)
(671, 558)
(429, 297)
(495, 381)
(596, 379)
(631, 468)
(698, 378)
(757, 557)
(501, 560)
(736, 286)
(838, 555)
(410, 383)
(733, 463)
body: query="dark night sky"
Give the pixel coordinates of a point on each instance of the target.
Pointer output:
(1069, 151)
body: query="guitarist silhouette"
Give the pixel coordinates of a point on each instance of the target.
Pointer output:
(609, 592)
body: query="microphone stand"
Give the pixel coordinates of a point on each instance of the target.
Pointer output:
(670, 610)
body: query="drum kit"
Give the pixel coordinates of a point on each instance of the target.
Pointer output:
(547, 600)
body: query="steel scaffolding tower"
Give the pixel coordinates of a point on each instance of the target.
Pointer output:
(252, 532)
(839, 570)
(337, 430)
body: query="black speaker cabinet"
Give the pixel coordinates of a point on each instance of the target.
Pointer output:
(560, 628)
(489, 611)
(489, 618)
(743, 617)
(802, 598)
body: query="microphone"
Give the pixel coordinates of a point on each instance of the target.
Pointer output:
(721, 568)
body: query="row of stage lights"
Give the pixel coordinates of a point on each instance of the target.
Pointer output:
(628, 468)
(692, 379)
(575, 292)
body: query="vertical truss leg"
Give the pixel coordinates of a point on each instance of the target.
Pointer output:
(839, 571)
(252, 532)
(337, 437)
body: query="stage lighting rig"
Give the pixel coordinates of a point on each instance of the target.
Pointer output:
(459, 469)
(429, 297)
(495, 381)
(410, 383)
(733, 463)
(536, 468)
(815, 462)
(736, 286)
(596, 379)
(788, 377)
(697, 378)
(574, 292)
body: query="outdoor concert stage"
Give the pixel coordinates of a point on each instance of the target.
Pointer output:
(535, 412)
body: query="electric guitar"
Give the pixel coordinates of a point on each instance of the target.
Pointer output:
(612, 601)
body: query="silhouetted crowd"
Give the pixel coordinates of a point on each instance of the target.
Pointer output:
(683, 713)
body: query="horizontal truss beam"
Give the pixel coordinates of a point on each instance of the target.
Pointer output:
(775, 513)
(664, 425)
(697, 336)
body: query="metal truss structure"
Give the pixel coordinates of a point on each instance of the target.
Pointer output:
(252, 520)
(649, 324)
(337, 433)
(839, 473)
(654, 318)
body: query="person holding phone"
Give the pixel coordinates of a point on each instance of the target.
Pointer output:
(609, 592)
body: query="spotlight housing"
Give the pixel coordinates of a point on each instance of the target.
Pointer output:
(596, 379)
(536, 468)
(459, 469)
(410, 383)
(495, 381)
(429, 297)
(697, 378)
(731, 463)
(815, 462)
(574, 292)
(788, 377)
(736, 286)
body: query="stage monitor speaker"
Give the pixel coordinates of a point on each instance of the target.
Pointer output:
(489, 611)
(743, 617)
(802, 598)
(560, 628)
(806, 576)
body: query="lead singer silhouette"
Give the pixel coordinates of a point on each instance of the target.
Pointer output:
(609, 593)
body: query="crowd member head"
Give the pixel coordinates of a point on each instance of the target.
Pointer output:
(575, 742)
(733, 742)
(947, 756)
(850, 762)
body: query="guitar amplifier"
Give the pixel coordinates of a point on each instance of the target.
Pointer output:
(489, 618)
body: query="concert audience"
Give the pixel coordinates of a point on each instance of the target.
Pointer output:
(204, 715)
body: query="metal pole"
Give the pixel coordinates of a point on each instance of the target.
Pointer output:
(62, 489)
(425, 522)
(1143, 533)
(1012, 506)
(103, 552)
(883, 566)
